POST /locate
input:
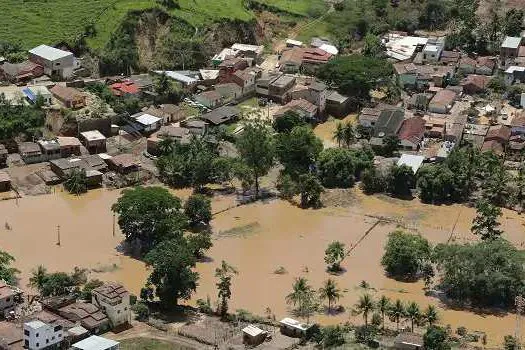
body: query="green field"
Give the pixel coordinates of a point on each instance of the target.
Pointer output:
(149, 344)
(35, 22)
(297, 7)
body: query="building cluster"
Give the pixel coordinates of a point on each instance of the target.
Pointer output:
(62, 322)
(445, 100)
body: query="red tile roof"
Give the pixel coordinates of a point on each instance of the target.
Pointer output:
(412, 129)
(500, 133)
(124, 87)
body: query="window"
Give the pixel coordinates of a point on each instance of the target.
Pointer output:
(47, 341)
(26, 332)
(37, 345)
(37, 335)
(60, 335)
(125, 309)
(53, 338)
(57, 328)
(8, 300)
(118, 311)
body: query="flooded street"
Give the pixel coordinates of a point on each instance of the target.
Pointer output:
(257, 239)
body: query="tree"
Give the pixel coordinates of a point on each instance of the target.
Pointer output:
(333, 336)
(430, 315)
(355, 75)
(224, 273)
(390, 145)
(172, 263)
(364, 306)
(497, 267)
(141, 310)
(7, 273)
(38, 277)
(486, 224)
(405, 254)
(436, 184)
(199, 242)
(88, 288)
(513, 22)
(397, 312)
(330, 292)
(198, 210)
(348, 134)
(303, 298)
(436, 338)
(372, 181)
(286, 186)
(434, 15)
(510, 343)
(298, 151)
(339, 134)
(310, 189)
(149, 215)
(413, 314)
(334, 255)
(257, 150)
(373, 46)
(401, 180)
(428, 273)
(76, 181)
(383, 306)
(336, 168)
(288, 121)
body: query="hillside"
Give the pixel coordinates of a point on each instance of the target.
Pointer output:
(32, 22)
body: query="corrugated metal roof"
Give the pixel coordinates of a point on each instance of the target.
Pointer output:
(95, 343)
(49, 53)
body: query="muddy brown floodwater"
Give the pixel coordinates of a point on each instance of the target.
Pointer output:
(257, 239)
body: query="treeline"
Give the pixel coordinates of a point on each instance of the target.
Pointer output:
(17, 119)
(485, 274)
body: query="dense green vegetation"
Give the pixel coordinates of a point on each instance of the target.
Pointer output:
(405, 255)
(19, 119)
(7, 272)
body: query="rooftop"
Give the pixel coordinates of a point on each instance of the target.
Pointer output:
(511, 42)
(49, 53)
(253, 331)
(258, 49)
(6, 290)
(179, 77)
(36, 324)
(93, 135)
(410, 338)
(111, 290)
(443, 97)
(290, 322)
(66, 93)
(283, 80)
(4, 177)
(147, 119)
(95, 343)
(412, 161)
(221, 115)
(28, 147)
(412, 130)
(68, 141)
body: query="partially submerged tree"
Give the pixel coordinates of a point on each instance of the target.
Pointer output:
(405, 255)
(330, 292)
(303, 298)
(335, 253)
(257, 150)
(224, 273)
(198, 210)
(486, 224)
(172, 273)
(76, 182)
(364, 306)
(7, 273)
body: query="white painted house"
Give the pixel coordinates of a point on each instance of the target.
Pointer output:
(56, 62)
(148, 122)
(40, 335)
(113, 298)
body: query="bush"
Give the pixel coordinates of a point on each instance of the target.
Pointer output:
(132, 299)
(198, 209)
(405, 255)
(204, 306)
(461, 331)
(141, 311)
(333, 336)
(336, 168)
(365, 334)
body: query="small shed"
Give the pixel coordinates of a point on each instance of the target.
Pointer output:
(252, 335)
(293, 328)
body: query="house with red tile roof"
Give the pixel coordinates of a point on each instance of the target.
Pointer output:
(496, 139)
(302, 107)
(124, 88)
(412, 133)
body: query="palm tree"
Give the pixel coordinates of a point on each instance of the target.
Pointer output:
(166, 146)
(339, 133)
(383, 306)
(300, 288)
(348, 134)
(397, 311)
(38, 277)
(76, 181)
(413, 314)
(364, 306)
(431, 315)
(330, 292)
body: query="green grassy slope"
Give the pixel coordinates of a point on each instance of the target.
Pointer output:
(33, 22)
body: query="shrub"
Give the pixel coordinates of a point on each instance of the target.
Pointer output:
(141, 311)
(405, 254)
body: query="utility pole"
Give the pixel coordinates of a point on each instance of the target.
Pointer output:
(113, 224)
(58, 235)
(520, 304)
